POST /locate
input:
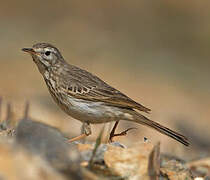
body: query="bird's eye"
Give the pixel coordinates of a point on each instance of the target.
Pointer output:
(47, 53)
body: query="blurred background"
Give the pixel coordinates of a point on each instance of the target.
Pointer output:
(156, 52)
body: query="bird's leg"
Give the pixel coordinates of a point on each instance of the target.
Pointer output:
(123, 133)
(86, 131)
(113, 131)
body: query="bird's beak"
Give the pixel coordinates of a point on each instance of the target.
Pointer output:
(29, 50)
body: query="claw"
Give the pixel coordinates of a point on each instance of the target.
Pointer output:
(123, 133)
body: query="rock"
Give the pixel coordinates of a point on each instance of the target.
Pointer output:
(17, 164)
(49, 143)
(132, 162)
(174, 170)
(98, 165)
(86, 151)
(200, 168)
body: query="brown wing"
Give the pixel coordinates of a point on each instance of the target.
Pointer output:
(82, 84)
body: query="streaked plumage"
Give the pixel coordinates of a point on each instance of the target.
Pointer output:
(86, 97)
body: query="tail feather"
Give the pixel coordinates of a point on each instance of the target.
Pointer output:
(139, 118)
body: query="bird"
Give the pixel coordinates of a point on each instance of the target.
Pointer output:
(86, 97)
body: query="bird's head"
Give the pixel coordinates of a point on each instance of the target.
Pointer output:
(44, 55)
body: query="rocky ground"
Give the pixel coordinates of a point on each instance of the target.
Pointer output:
(156, 52)
(33, 150)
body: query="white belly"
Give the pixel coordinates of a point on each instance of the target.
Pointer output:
(93, 112)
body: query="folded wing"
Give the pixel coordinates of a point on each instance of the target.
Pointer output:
(82, 84)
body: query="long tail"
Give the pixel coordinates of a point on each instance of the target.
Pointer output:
(140, 119)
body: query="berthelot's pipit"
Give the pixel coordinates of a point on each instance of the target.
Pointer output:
(87, 98)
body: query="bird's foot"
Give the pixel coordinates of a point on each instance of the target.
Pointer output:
(77, 138)
(123, 133)
(86, 131)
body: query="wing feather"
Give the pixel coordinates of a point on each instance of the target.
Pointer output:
(82, 84)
